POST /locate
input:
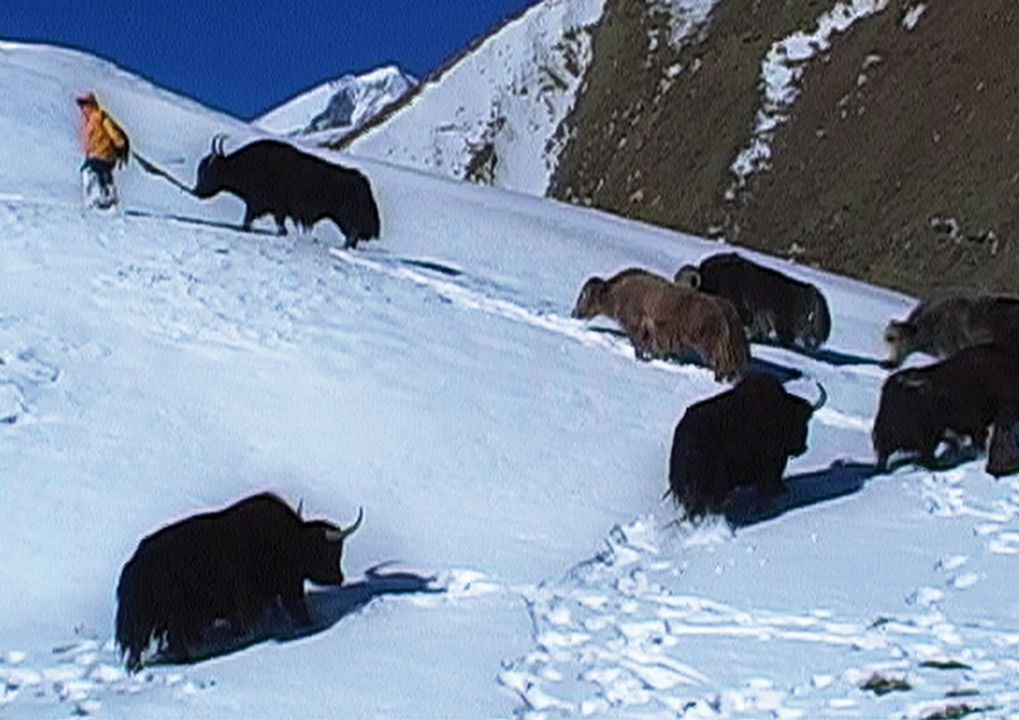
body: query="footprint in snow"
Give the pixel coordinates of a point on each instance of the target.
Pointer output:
(12, 403)
(1005, 543)
(964, 581)
(952, 562)
(80, 675)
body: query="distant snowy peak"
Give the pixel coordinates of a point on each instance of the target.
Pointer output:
(494, 115)
(355, 100)
(339, 106)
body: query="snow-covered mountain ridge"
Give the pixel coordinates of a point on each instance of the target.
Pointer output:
(510, 460)
(328, 112)
(494, 115)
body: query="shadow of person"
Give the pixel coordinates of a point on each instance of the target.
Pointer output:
(326, 606)
(745, 506)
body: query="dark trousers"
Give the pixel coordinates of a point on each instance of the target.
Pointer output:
(102, 168)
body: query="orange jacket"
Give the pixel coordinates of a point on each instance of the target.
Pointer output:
(101, 137)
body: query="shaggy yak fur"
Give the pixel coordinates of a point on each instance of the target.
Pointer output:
(951, 400)
(1003, 447)
(744, 436)
(234, 565)
(773, 306)
(950, 320)
(662, 319)
(274, 178)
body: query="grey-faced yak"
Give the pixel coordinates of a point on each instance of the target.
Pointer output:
(233, 565)
(950, 320)
(662, 319)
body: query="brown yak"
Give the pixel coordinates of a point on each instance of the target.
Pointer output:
(662, 319)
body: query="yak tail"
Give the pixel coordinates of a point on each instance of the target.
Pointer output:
(133, 629)
(822, 317)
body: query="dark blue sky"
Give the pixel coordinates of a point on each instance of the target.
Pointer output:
(246, 57)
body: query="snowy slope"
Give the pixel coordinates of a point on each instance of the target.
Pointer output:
(494, 115)
(510, 460)
(333, 109)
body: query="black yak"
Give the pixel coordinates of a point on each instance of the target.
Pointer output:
(662, 319)
(274, 178)
(741, 437)
(235, 565)
(952, 400)
(949, 320)
(772, 305)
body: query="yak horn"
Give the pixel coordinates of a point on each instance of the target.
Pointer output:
(821, 400)
(913, 382)
(217, 143)
(343, 533)
(688, 276)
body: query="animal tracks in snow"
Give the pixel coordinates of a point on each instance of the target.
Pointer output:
(188, 294)
(80, 676)
(23, 375)
(83, 675)
(615, 639)
(946, 495)
(12, 403)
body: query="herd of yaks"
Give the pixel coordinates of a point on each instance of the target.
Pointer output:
(746, 435)
(233, 567)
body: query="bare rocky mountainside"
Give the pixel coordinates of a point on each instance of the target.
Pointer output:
(875, 138)
(898, 161)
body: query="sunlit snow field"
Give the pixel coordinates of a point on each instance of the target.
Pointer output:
(511, 461)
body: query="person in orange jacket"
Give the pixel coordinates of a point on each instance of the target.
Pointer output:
(106, 145)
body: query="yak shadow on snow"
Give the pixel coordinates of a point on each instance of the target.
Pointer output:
(329, 606)
(746, 507)
(326, 606)
(602, 330)
(835, 358)
(838, 358)
(949, 458)
(432, 266)
(202, 222)
(782, 372)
